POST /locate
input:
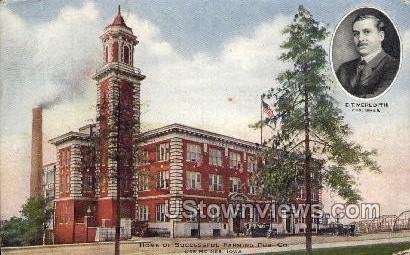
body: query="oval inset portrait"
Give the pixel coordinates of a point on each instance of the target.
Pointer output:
(365, 53)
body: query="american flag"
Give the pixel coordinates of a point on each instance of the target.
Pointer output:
(266, 109)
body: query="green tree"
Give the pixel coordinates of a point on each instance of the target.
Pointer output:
(12, 232)
(30, 228)
(309, 133)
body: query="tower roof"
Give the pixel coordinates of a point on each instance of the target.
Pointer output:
(119, 20)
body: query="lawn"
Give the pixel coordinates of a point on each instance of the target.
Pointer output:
(377, 249)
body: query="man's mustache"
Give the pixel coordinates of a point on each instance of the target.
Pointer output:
(361, 44)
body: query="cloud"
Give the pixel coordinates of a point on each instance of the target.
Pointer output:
(59, 57)
(218, 92)
(196, 89)
(43, 62)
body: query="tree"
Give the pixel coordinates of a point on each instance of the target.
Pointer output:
(30, 228)
(12, 232)
(309, 133)
(38, 214)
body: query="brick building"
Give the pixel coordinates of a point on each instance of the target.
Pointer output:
(165, 174)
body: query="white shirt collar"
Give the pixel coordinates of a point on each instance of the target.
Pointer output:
(369, 57)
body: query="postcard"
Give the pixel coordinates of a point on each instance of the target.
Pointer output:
(205, 127)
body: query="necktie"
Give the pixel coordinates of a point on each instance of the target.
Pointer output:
(360, 68)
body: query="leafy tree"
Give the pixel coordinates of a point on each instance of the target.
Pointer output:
(12, 232)
(309, 133)
(30, 228)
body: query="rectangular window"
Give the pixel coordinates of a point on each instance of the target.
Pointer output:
(143, 213)
(215, 157)
(253, 189)
(193, 152)
(50, 179)
(88, 183)
(160, 213)
(314, 195)
(142, 156)
(234, 160)
(143, 181)
(252, 164)
(163, 152)
(193, 180)
(215, 182)
(301, 193)
(235, 184)
(163, 180)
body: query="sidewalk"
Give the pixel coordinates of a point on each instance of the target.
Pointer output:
(156, 246)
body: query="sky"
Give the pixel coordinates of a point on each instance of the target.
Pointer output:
(206, 63)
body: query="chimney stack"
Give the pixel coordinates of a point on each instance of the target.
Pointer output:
(36, 153)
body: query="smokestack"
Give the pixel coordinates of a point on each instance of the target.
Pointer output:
(36, 153)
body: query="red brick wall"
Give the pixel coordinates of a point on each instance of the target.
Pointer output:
(126, 123)
(64, 171)
(106, 209)
(103, 137)
(152, 169)
(64, 224)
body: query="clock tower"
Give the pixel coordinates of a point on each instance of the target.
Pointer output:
(118, 123)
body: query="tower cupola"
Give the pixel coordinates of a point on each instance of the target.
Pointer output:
(118, 42)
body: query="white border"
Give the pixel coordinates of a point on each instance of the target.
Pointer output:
(331, 52)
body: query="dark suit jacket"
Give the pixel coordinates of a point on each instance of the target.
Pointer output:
(376, 77)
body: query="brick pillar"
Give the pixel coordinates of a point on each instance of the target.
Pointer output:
(113, 101)
(176, 180)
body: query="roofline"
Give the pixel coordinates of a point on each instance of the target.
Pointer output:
(179, 128)
(69, 136)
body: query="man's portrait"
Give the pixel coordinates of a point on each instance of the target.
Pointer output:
(366, 53)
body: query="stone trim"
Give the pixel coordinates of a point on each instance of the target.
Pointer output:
(176, 178)
(75, 172)
(57, 176)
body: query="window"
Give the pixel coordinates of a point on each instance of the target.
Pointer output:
(253, 189)
(143, 213)
(215, 182)
(193, 152)
(315, 195)
(234, 160)
(193, 180)
(88, 182)
(50, 179)
(126, 55)
(235, 184)
(301, 193)
(163, 152)
(142, 156)
(106, 54)
(143, 181)
(160, 213)
(215, 157)
(252, 164)
(162, 180)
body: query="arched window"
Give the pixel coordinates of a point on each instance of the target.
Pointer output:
(106, 54)
(126, 54)
(115, 52)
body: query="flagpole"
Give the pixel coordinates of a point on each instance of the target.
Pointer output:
(261, 118)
